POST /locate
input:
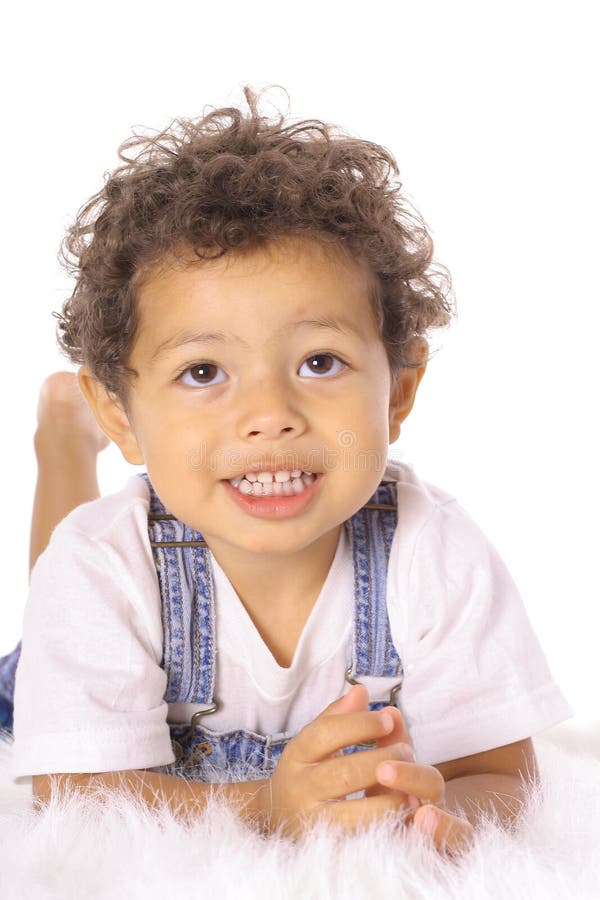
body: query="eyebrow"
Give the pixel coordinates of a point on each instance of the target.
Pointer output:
(342, 326)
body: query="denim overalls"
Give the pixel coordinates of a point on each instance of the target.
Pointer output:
(182, 561)
(189, 656)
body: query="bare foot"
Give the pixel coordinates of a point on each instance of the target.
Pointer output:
(64, 417)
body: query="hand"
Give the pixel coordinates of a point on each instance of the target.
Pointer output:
(313, 778)
(415, 784)
(449, 833)
(400, 736)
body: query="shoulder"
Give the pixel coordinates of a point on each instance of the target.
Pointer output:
(98, 566)
(440, 560)
(417, 499)
(101, 542)
(100, 517)
(116, 523)
(428, 515)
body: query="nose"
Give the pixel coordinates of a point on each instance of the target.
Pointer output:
(269, 412)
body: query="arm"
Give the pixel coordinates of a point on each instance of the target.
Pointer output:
(472, 795)
(310, 774)
(183, 798)
(455, 793)
(493, 782)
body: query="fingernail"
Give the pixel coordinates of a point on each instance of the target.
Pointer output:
(413, 802)
(387, 722)
(385, 772)
(406, 753)
(428, 821)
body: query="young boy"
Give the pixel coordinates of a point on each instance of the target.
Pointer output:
(249, 316)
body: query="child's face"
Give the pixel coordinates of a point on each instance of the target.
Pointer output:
(263, 362)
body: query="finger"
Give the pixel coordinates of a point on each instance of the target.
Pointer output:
(424, 782)
(449, 833)
(342, 775)
(400, 733)
(329, 733)
(405, 753)
(355, 700)
(409, 801)
(377, 789)
(356, 814)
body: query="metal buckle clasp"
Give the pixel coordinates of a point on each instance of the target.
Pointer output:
(203, 749)
(194, 721)
(393, 693)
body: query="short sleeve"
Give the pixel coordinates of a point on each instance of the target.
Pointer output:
(476, 677)
(89, 687)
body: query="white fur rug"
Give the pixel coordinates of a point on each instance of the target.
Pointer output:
(74, 850)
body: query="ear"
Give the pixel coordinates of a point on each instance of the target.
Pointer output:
(403, 391)
(111, 416)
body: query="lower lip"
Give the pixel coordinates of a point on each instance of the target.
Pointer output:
(271, 507)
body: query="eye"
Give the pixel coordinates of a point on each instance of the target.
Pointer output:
(202, 375)
(322, 364)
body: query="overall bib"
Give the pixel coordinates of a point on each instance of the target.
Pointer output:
(182, 561)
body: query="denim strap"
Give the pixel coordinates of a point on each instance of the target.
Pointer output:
(370, 532)
(184, 572)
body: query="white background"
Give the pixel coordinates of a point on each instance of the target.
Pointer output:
(490, 110)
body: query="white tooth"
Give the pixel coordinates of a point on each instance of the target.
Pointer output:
(268, 488)
(245, 487)
(235, 481)
(277, 488)
(282, 476)
(296, 473)
(265, 477)
(298, 485)
(258, 488)
(251, 476)
(307, 478)
(288, 490)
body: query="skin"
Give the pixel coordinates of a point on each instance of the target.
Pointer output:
(200, 413)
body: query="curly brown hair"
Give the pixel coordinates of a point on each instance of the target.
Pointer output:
(230, 182)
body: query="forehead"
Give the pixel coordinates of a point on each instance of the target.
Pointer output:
(284, 278)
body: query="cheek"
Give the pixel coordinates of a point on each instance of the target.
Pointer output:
(376, 416)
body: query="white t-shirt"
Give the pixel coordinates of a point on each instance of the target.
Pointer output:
(89, 688)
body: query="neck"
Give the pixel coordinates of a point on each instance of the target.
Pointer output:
(278, 581)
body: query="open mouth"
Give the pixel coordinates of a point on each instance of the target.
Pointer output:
(283, 483)
(280, 494)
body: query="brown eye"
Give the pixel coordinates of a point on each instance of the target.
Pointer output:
(204, 372)
(202, 375)
(322, 364)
